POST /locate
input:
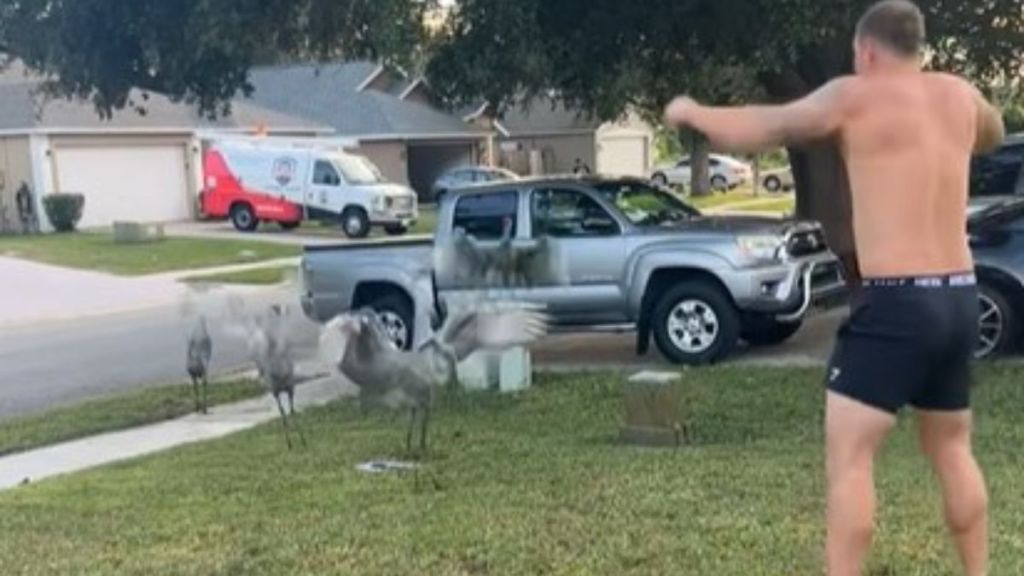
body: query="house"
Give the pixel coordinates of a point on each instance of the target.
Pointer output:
(393, 119)
(144, 167)
(401, 127)
(545, 137)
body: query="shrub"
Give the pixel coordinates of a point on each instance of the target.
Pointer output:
(64, 210)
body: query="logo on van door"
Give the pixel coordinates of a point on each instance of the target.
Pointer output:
(284, 170)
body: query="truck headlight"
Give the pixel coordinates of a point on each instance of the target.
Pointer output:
(760, 248)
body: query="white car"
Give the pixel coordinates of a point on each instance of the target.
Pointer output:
(777, 180)
(725, 172)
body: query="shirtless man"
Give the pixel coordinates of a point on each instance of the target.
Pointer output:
(907, 138)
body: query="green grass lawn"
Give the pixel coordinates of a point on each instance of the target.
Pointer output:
(114, 413)
(97, 251)
(528, 484)
(718, 199)
(266, 276)
(781, 206)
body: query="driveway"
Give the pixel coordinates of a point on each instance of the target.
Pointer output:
(31, 292)
(811, 346)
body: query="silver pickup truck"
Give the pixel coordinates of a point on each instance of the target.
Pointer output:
(638, 258)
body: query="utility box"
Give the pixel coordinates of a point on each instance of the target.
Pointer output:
(506, 371)
(653, 411)
(137, 233)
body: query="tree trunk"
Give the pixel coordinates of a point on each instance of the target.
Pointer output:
(823, 194)
(700, 180)
(819, 171)
(756, 184)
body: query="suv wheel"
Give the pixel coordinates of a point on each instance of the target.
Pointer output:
(396, 316)
(767, 331)
(719, 183)
(659, 179)
(695, 323)
(243, 218)
(355, 223)
(996, 323)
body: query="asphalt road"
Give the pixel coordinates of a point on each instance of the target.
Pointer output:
(60, 363)
(63, 362)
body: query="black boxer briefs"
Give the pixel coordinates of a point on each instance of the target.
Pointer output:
(908, 341)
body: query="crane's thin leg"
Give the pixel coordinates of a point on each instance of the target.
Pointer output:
(408, 435)
(295, 421)
(423, 429)
(195, 391)
(206, 397)
(284, 420)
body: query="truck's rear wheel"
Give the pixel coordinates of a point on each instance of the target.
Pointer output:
(396, 315)
(695, 323)
(243, 218)
(355, 223)
(767, 331)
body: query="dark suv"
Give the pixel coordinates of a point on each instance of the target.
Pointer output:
(996, 227)
(1001, 172)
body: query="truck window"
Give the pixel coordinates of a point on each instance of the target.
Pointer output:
(569, 214)
(483, 216)
(325, 175)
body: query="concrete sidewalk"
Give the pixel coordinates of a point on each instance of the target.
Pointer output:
(86, 453)
(178, 275)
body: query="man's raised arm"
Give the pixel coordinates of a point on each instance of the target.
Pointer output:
(756, 128)
(991, 130)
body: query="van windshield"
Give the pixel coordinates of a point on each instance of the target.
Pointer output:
(358, 171)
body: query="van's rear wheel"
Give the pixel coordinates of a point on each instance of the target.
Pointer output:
(396, 229)
(355, 223)
(243, 218)
(289, 225)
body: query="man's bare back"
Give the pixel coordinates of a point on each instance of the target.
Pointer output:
(907, 141)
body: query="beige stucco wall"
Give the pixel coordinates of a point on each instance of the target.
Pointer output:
(15, 168)
(559, 152)
(390, 157)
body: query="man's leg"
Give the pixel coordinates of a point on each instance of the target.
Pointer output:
(853, 433)
(946, 440)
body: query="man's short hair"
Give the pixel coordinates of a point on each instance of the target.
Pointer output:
(896, 24)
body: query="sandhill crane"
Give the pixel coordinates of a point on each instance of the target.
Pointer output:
(465, 261)
(197, 360)
(270, 349)
(356, 344)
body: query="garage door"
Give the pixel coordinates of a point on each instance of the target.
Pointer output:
(427, 162)
(623, 156)
(139, 183)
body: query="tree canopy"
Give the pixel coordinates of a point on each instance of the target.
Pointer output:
(605, 55)
(199, 51)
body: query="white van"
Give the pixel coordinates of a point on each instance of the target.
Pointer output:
(276, 180)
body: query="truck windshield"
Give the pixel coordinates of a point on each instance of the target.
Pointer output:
(357, 170)
(646, 205)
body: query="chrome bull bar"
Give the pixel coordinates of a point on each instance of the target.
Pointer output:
(807, 297)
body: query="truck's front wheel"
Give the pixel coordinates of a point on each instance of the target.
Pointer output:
(695, 323)
(396, 315)
(243, 218)
(355, 223)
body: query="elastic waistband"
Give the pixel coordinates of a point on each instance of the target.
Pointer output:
(946, 281)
